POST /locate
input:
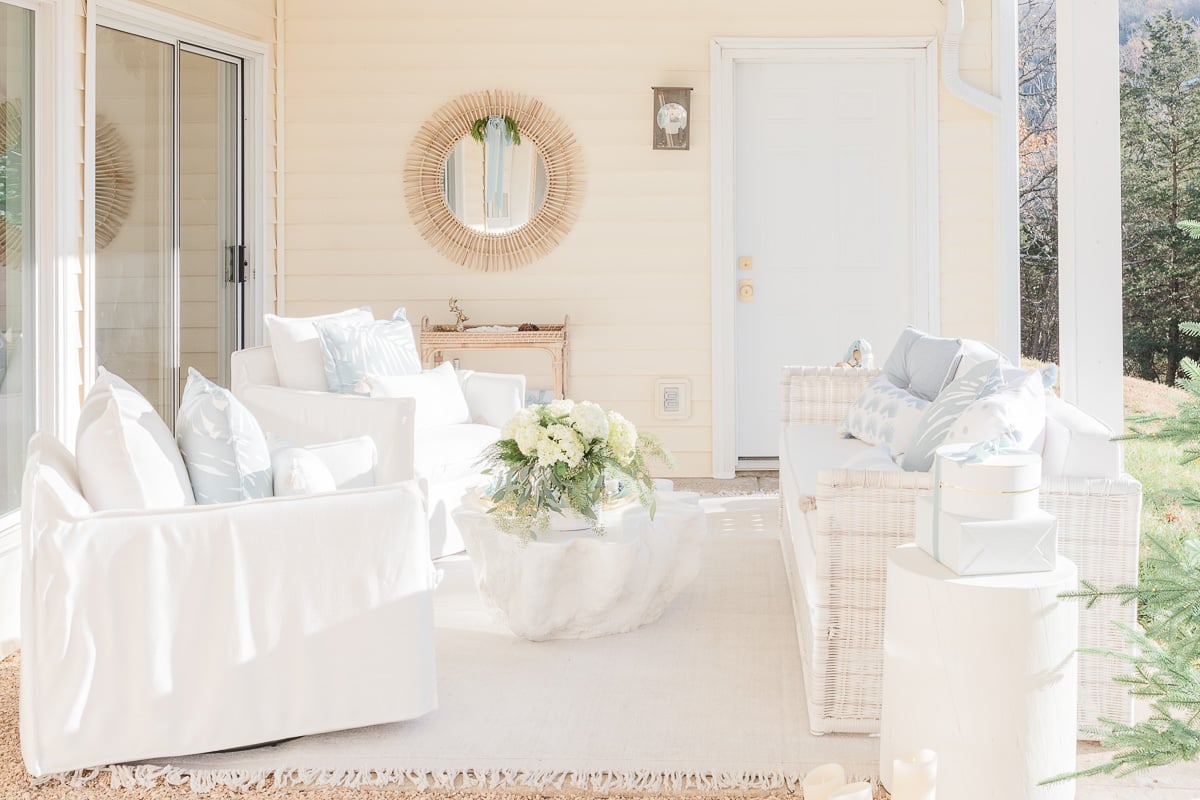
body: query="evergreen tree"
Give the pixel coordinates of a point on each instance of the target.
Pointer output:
(1160, 138)
(1165, 662)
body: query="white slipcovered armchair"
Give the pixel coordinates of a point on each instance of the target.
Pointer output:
(155, 633)
(446, 457)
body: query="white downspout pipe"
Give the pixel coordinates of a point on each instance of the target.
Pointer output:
(951, 63)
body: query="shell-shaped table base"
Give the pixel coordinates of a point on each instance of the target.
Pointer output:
(577, 585)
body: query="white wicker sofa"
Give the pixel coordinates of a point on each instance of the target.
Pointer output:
(839, 525)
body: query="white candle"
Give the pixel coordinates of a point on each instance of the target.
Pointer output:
(914, 776)
(822, 782)
(853, 791)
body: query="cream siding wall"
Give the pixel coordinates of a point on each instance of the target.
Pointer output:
(362, 76)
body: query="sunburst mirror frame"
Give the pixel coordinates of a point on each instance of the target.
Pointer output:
(425, 171)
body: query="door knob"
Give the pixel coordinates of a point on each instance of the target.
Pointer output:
(745, 291)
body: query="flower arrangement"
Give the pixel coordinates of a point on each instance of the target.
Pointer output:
(559, 457)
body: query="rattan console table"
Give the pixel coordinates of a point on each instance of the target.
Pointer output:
(552, 338)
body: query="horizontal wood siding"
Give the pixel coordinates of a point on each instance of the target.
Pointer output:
(363, 75)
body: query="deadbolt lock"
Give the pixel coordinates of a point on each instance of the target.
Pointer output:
(745, 291)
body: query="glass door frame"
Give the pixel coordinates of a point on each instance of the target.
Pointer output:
(134, 18)
(49, 299)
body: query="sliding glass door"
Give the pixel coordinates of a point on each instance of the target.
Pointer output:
(169, 275)
(17, 409)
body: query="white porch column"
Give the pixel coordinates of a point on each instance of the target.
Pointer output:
(1089, 198)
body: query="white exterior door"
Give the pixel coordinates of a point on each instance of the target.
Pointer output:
(826, 203)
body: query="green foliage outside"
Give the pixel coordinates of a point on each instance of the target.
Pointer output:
(1164, 669)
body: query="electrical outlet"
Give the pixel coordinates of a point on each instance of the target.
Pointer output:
(672, 398)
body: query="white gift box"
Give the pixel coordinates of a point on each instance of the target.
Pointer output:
(996, 486)
(972, 546)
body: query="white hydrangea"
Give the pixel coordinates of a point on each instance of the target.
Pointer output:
(560, 408)
(525, 429)
(559, 443)
(590, 420)
(622, 436)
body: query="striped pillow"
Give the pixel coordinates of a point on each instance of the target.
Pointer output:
(939, 417)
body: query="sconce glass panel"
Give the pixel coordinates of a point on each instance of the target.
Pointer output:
(672, 117)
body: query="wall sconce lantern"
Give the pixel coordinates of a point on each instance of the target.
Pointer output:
(672, 107)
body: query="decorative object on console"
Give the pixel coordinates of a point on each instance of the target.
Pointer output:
(459, 316)
(126, 455)
(536, 207)
(559, 457)
(550, 338)
(672, 105)
(351, 350)
(296, 346)
(222, 445)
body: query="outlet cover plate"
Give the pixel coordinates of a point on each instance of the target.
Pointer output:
(672, 398)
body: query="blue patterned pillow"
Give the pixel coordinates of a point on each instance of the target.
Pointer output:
(883, 414)
(938, 419)
(352, 351)
(222, 444)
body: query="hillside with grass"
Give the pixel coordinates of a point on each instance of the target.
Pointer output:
(1157, 465)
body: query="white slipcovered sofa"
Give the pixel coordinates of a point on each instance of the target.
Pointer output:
(840, 524)
(161, 632)
(445, 457)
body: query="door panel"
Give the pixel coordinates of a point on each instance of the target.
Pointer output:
(134, 282)
(825, 205)
(209, 214)
(162, 299)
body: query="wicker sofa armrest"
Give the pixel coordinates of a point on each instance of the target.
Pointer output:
(820, 395)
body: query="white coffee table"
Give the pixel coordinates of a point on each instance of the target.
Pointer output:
(577, 585)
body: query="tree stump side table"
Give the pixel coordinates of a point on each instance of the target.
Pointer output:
(983, 670)
(552, 338)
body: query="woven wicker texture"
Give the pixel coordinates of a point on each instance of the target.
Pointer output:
(425, 175)
(862, 515)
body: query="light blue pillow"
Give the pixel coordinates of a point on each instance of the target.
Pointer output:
(883, 414)
(922, 364)
(352, 351)
(939, 417)
(222, 444)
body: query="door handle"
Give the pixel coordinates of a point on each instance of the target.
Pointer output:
(237, 264)
(745, 291)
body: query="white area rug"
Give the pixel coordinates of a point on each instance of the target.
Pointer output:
(709, 697)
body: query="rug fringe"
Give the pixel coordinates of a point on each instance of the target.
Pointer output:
(147, 776)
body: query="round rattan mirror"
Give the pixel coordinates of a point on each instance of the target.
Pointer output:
(434, 181)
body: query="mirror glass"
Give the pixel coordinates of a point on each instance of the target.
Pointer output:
(494, 192)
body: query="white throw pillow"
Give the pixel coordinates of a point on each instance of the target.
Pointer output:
(351, 350)
(125, 454)
(222, 444)
(299, 471)
(1016, 407)
(883, 413)
(439, 396)
(297, 348)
